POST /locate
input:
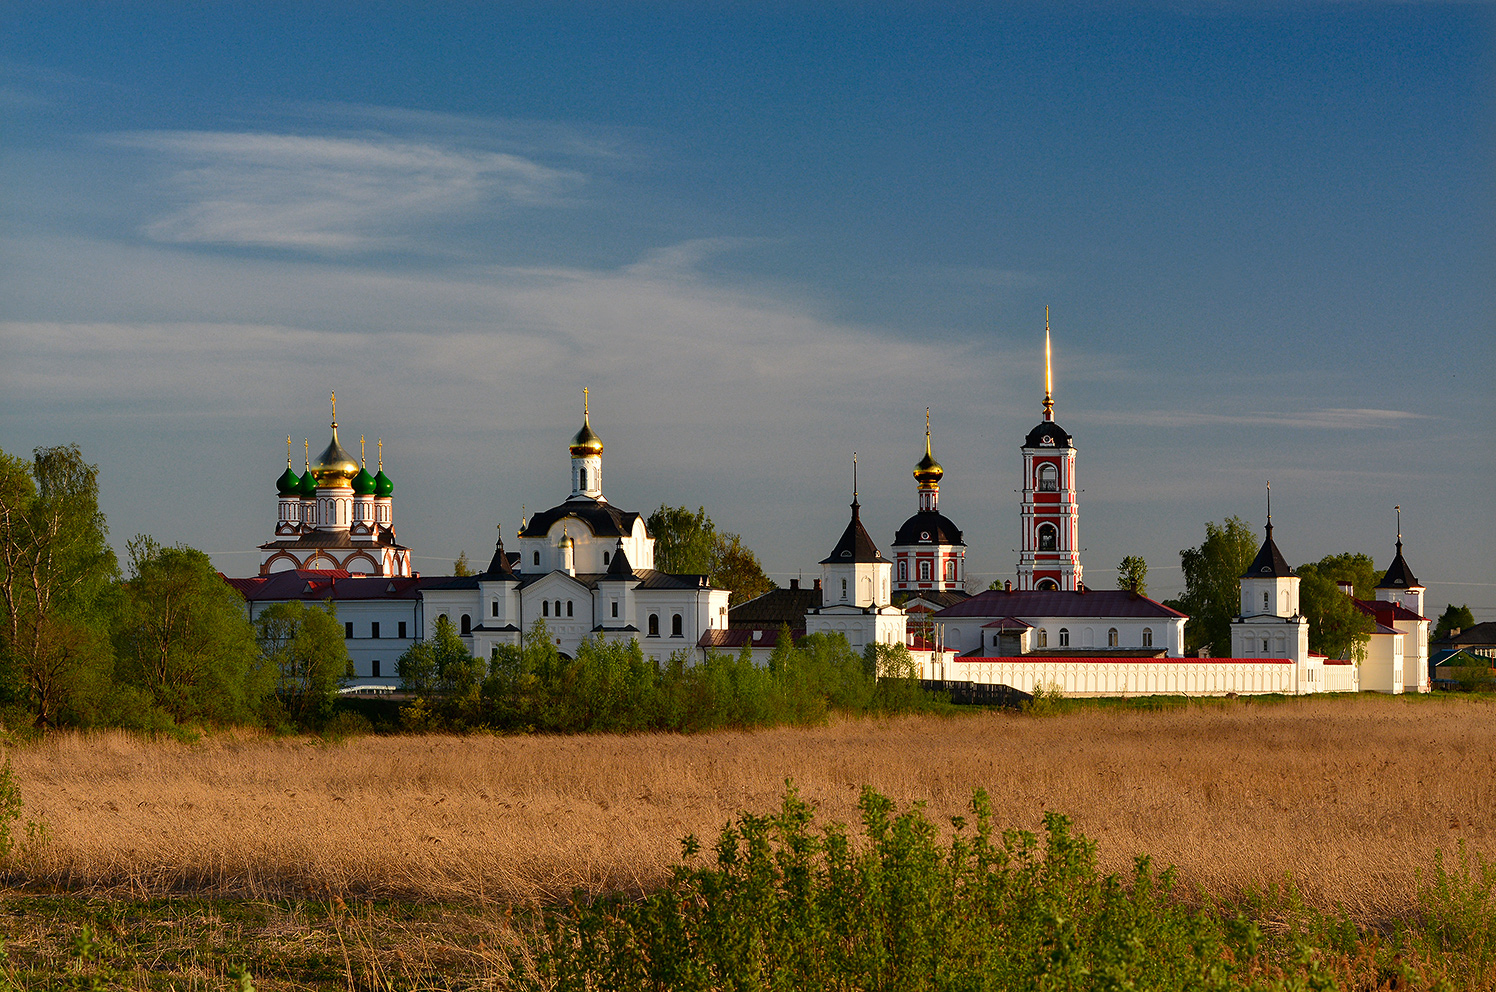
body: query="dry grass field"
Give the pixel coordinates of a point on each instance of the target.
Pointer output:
(1349, 796)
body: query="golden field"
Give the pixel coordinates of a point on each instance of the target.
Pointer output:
(1349, 796)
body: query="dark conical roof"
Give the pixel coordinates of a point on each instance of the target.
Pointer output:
(498, 566)
(855, 544)
(1399, 575)
(619, 568)
(1269, 563)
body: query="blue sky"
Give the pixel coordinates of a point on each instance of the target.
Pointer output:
(766, 236)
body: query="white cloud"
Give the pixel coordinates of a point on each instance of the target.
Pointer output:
(330, 193)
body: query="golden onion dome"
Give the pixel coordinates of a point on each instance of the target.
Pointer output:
(586, 442)
(334, 468)
(928, 471)
(566, 541)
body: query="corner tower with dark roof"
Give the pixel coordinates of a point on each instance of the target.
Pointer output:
(1049, 556)
(1270, 624)
(1400, 585)
(928, 553)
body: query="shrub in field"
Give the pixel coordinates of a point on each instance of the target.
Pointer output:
(786, 906)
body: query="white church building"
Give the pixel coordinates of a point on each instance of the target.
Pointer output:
(586, 568)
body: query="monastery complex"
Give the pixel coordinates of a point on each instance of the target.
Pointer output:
(586, 568)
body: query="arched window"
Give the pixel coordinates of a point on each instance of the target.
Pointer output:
(924, 571)
(1049, 478)
(675, 625)
(583, 486)
(467, 625)
(1064, 637)
(1111, 638)
(1046, 585)
(654, 625)
(994, 640)
(903, 571)
(605, 557)
(950, 570)
(1266, 602)
(558, 607)
(1043, 638)
(545, 607)
(568, 607)
(537, 558)
(844, 589)
(1147, 637)
(1048, 537)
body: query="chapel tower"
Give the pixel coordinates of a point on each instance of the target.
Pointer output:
(928, 552)
(1050, 548)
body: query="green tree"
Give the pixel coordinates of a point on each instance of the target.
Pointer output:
(684, 541)
(305, 647)
(1132, 573)
(56, 581)
(1337, 627)
(462, 567)
(1352, 567)
(440, 664)
(1453, 618)
(736, 568)
(1211, 584)
(184, 637)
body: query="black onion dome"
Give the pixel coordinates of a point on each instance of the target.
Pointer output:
(927, 527)
(1048, 435)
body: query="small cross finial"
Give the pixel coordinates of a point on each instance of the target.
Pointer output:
(306, 443)
(334, 399)
(1270, 503)
(854, 476)
(381, 454)
(362, 462)
(288, 449)
(586, 404)
(1398, 508)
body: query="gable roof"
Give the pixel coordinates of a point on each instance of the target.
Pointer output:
(855, 546)
(1269, 563)
(998, 603)
(1480, 634)
(775, 608)
(316, 585)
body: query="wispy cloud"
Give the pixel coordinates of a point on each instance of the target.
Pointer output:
(327, 193)
(1329, 418)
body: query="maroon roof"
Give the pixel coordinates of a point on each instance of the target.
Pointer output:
(1385, 612)
(733, 639)
(1009, 623)
(997, 603)
(319, 584)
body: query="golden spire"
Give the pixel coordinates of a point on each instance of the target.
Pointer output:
(381, 454)
(1048, 375)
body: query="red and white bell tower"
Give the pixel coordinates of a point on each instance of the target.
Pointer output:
(1050, 555)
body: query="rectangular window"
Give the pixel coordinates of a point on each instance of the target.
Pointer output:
(374, 630)
(496, 607)
(348, 631)
(615, 608)
(402, 629)
(374, 668)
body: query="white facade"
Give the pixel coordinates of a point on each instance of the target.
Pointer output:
(586, 569)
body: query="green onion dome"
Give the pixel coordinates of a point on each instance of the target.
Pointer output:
(289, 484)
(308, 486)
(382, 485)
(364, 483)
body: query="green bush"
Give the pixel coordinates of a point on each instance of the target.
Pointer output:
(787, 906)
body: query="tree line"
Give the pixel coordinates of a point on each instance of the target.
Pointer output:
(165, 645)
(610, 685)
